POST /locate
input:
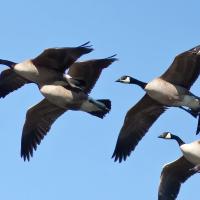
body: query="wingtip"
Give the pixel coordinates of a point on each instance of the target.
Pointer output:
(112, 58)
(86, 45)
(25, 156)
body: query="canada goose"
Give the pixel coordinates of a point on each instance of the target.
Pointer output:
(59, 99)
(49, 66)
(177, 172)
(170, 89)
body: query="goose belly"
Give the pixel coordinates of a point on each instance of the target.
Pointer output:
(163, 92)
(62, 97)
(192, 152)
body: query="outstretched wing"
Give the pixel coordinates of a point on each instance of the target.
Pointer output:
(172, 176)
(185, 68)
(89, 71)
(60, 59)
(10, 81)
(137, 122)
(38, 122)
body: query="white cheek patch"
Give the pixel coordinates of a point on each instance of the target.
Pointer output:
(168, 136)
(127, 80)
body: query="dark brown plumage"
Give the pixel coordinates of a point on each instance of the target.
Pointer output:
(172, 176)
(61, 59)
(41, 116)
(137, 122)
(10, 81)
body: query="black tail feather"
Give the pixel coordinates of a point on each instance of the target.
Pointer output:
(101, 113)
(106, 102)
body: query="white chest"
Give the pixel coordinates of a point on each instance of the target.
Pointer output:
(192, 152)
(27, 70)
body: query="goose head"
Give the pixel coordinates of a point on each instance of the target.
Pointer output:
(168, 135)
(130, 80)
(124, 79)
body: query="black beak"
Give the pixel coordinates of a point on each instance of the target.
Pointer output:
(118, 80)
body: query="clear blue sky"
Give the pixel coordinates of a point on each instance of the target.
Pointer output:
(74, 160)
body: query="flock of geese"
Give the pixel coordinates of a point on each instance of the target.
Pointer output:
(70, 91)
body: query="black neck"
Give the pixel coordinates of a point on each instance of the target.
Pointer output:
(7, 63)
(137, 82)
(178, 139)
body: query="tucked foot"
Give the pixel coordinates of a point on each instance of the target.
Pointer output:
(103, 104)
(190, 111)
(196, 169)
(198, 125)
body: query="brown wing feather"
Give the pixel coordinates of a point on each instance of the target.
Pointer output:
(10, 81)
(60, 59)
(89, 71)
(38, 122)
(137, 122)
(172, 176)
(185, 68)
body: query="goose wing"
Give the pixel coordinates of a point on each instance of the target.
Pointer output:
(137, 122)
(39, 119)
(185, 68)
(172, 176)
(10, 81)
(60, 59)
(89, 71)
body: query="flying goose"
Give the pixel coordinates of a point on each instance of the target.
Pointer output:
(170, 89)
(58, 99)
(177, 172)
(49, 66)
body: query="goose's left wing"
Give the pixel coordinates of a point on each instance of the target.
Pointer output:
(137, 122)
(39, 119)
(61, 59)
(172, 176)
(10, 81)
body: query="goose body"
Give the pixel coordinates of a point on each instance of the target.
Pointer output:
(171, 89)
(170, 94)
(69, 99)
(177, 172)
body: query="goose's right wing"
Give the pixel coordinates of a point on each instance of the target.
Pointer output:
(10, 81)
(137, 122)
(39, 119)
(172, 176)
(185, 68)
(89, 71)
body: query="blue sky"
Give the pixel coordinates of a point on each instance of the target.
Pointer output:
(74, 160)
